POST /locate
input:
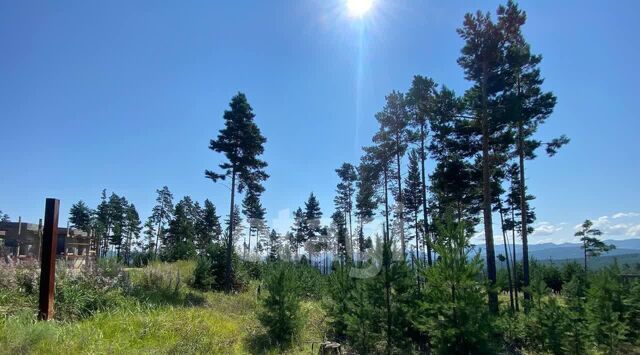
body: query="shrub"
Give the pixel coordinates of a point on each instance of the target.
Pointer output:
(605, 309)
(79, 293)
(252, 269)
(141, 258)
(82, 293)
(203, 278)
(340, 287)
(454, 309)
(312, 284)
(547, 325)
(216, 255)
(632, 304)
(512, 328)
(281, 313)
(360, 320)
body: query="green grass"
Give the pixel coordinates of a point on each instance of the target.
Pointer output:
(165, 320)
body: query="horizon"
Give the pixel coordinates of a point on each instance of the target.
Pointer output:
(133, 97)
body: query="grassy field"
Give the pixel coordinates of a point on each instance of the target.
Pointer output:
(172, 319)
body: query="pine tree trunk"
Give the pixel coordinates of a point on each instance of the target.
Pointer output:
(426, 240)
(584, 245)
(248, 253)
(486, 199)
(506, 255)
(386, 262)
(350, 231)
(400, 201)
(523, 215)
(228, 267)
(417, 236)
(515, 271)
(386, 202)
(158, 232)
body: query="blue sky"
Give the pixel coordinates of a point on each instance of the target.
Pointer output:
(125, 96)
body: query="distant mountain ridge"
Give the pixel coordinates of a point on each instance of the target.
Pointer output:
(552, 251)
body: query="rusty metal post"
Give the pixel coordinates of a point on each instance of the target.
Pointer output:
(48, 260)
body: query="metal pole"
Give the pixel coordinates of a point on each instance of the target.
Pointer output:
(48, 262)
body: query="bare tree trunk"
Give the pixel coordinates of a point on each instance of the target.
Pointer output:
(417, 236)
(515, 271)
(228, 267)
(486, 199)
(506, 255)
(386, 202)
(350, 231)
(584, 245)
(158, 232)
(400, 201)
(423, 157)
(523, 215)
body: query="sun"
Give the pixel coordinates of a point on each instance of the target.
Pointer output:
(358, 8)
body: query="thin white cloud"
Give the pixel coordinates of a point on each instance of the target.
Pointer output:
(613, 230)
(633, 231)
(626, 214)
(543, 229)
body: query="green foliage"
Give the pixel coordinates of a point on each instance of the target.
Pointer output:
(577, 338)
(538, 289)
(242, 143)
(605, 310)
(312, 284)
(340, 285)
(547, 326)
(281, 313)
(180, 240)
(79, 293)
(591, 245)
(453, 309)
(80, 216)
(203, 279)
(632, 317)
(208, 227)
(4, 217)
(513, 329)
(215, 259)
(361, 318)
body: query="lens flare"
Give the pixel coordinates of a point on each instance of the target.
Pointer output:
(358, 8)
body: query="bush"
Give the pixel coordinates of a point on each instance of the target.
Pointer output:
(632, 304)
(281, 313)
(361, 318)
(203, 278)
(162, 283)
(512, 327)
(216, 255)
(142, 258)
(454, 302)
(18, 287)
(547, 326)
(79, 293)
(252, 269)
(605, 310)
(340, 287)
(313, 285)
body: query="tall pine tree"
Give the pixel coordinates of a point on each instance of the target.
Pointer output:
(344, 198)
(394, 135)
(481, 60)
(242, 143)
(527, 105)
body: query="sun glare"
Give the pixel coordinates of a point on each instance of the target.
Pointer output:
(358, 8)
